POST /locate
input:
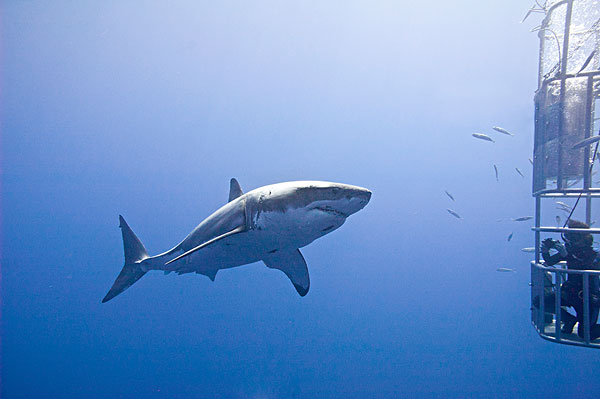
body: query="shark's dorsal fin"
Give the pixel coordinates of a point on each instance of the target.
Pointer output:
(234, 189)
(239, 229)
(292, 263)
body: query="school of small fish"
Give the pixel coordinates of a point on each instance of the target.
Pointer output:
(485, 137)
(560, 205)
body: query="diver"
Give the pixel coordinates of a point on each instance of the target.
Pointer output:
(579, 255)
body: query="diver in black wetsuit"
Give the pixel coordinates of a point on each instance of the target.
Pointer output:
(579, 255)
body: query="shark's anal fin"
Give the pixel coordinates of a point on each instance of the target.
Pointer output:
(292, 263)
(211, 274)
(234, 189)
(237, 230)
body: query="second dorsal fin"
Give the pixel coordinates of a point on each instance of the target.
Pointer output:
(234, 189)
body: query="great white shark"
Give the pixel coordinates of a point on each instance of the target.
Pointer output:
(268, 224)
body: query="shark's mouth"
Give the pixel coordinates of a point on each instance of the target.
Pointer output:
(331, 211)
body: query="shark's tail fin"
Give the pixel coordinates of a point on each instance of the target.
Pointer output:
(134, 254)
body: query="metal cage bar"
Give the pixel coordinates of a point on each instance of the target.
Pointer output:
(551, 331)
(557, 303)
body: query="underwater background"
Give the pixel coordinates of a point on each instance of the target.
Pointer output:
(147, 110)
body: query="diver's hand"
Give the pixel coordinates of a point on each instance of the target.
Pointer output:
(560, 247)
(547, 244)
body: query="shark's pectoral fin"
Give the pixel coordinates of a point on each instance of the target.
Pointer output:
(292, 263)
(234, 189)
(237, 230)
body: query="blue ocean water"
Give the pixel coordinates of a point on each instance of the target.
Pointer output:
(147, 110)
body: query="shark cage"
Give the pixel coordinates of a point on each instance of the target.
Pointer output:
(565, 147)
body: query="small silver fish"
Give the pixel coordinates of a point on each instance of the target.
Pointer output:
(563, 204)
(505, 270)
(533, 9)
(526, 15)
(496, 171)
(509, 237)
(482, 136)
(584, 142)
(456, 215)
(519, 172)
(449, 195)
(530, 161)
(587, 61)
(528, 249)
(522, 219)
(503, 131)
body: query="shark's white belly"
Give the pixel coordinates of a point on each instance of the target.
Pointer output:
(272, 232)
(295, 228)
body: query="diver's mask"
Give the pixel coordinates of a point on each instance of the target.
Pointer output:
(577, 240)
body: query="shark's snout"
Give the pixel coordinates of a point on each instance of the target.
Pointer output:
(355, 198)
(363, 196)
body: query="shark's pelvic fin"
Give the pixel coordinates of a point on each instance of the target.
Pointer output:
(237, 230)
(292, 263)
(134, 254)
(234, 189)
(211, 274)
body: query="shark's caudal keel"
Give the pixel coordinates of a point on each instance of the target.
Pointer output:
(270, 224)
